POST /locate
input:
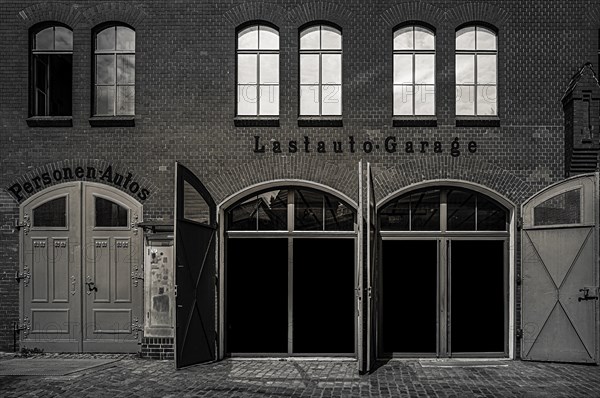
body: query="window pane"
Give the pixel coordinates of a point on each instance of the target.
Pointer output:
(44, 39)
(63, 39)
(309, 69)
(486, 39)
(309, 100)
(125, 38)
(243, 216)
(268, 38)
(486, 100)
(465, 39)
(395, 216)
(465, 69)
(309, 211)
(269, 100)
(331, 38)
(425, 211)
(564, 208)
(105, 40)
(125, 69)
(403, 38)
(403, 73)
(51, 214)
(465, 100)
(105, 100)
(269, 68)
(247, 69)
(110, 214)
(248, 38)
(60, 84)
(332, 68)
(272, 210)
(41, 83)
(486, 69)
(461, 210)
(105, 69)
(338, 217)
(332, 99)
(424, 68)
(125, 100)
(424, 39)
(247, 100)
(403, 99)
(490, 216)
(310, 38)
(425, 99)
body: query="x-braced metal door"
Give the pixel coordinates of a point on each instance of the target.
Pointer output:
(195, 277)
(560, 272)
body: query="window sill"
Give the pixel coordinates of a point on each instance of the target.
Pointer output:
(320, 121)
(477, 121)
(112, 121)
(50, 121)
(256, 121)
(414, 121)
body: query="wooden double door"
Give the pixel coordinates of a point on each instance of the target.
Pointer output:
(81, 273)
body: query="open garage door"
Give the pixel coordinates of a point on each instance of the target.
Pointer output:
(560, 272)
(195, 253)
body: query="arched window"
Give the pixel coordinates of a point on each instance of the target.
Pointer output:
(114, 81)
(258, 71)
(414, 71)
(52, 71)
(476, 71)
(320, 71)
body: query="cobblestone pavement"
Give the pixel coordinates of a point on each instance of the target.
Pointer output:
(132, 377)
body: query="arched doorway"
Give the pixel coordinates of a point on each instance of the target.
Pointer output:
(444, 274)
(81, 277)
(290, 274)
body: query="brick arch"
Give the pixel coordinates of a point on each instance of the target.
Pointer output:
(484, 12)
(413, 11)
(320, 11)
(258, 11)
(468, 169)
(69, 15)
(342, 177)
(114, 11)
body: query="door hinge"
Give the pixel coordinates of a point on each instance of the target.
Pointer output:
(24, 326)
(134, 223)
(25, 224)
(136, 327)
(26, 275)
(137, 275)
(175, 290)
(586, 293)
(519, 333)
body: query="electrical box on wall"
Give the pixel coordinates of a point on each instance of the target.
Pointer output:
(159, 297)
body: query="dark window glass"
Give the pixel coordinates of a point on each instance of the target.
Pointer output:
(264, 212)
(396, 215)
(51, 214)
(52, 62)
(110, 214)
(338, 216)
(243, 216)
(564, 208)
(195, 207)
(309, 211)
(490, 215)
(425, 211)
(115, 71)
(461, 210)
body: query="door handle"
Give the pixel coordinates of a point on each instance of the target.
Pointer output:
(91, 287)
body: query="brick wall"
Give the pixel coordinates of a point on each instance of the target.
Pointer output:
(185, 100)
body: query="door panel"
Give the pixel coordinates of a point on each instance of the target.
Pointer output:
(112, 292)
(195, 278)
(257, 296)
(409, 298)
(477, 297)
(51, 259)
(560, 266)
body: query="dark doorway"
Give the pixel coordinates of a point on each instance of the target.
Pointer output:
(323, 296)
(477, 296)
(409, 278)
(257, 295)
